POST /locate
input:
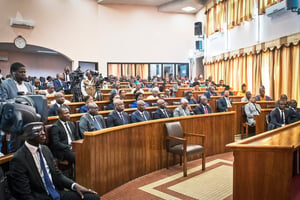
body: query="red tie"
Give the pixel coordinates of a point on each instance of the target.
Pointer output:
(205, 109)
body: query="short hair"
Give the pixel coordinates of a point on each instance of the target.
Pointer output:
(183, 100)
(117, 101)
(91, 104)
(140, 102)
(155, 89)
(159, 100)
(86, 98)
(261, 87)
(120, 92)
(202, 97)
(60, 109)
(188, 92)
(137, 95)
(15, 67)
(58, 94)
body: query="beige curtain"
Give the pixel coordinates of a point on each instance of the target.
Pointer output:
(114, 69)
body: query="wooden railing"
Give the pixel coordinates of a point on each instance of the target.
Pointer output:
(111, 157)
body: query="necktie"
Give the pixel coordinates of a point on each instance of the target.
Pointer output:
(144, 116)
(122, 118)
(282, 117)
(96, 124)
(166, 114)
(69, 132)
(205, 109)
(49, 185)
(256, 108)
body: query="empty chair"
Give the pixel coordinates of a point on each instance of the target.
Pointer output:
(177, 144)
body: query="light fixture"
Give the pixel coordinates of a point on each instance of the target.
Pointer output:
(47, 52)
(188, 9)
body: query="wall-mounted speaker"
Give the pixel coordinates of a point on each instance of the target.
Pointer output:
(292, 4)
(198, 28)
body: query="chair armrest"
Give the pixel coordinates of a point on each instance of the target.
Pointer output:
(193, 134)
(176, 138)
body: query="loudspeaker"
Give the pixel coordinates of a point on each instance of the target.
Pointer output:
(292, 4)
(198, 28)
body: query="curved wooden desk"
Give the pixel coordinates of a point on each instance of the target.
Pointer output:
(111, 157)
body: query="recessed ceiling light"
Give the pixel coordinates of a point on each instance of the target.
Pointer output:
(49, 52)
(188, 9)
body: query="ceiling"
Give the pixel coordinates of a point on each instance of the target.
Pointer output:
(174, 6)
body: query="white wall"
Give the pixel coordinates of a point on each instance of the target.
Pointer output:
(260, 29)
(86, 31)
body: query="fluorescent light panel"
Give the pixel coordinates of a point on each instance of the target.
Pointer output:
(188, 9)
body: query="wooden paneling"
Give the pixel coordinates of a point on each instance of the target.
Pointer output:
(263, 164)
(261, 123)
(111, 157)
(67, 96)
(213, 101)
(130, 95)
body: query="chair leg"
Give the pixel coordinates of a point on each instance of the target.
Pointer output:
(247, 130)
(167, 164)
(174, 159)
(180, 162)
(184, 165)
(203, 161)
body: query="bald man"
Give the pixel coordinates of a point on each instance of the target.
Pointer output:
(118, 117)
(140, 114)
(162, 111)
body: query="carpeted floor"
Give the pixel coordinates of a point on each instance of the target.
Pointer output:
(215, 183)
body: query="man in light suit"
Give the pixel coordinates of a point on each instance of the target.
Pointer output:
(63, 132)
(162, 111)
(225, 102)
(16, 84)
(278, 116)
(33, 173)
(203, 107)
(183, 109)
(140, 114)
(59, 102)
(118, 117)
(252, 109)
(91, 121)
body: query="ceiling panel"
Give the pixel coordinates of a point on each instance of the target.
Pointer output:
(136, 2)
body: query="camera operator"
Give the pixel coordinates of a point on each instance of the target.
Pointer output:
(88, 87)
(16, 85)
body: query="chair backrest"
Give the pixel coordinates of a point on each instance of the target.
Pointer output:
(47, 133)
(174, 129)
(244, 117)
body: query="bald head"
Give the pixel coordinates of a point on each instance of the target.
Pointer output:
(161, 103)
(59, 98)
(119, 105)
(184, 103)
(203, 100)
(141, 106)
(93, 108)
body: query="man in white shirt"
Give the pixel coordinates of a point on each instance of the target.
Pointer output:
(138, 88)
(154, 95)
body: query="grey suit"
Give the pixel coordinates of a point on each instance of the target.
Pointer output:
(10, 90)
(252, 109)
(87, 123)
(179, 111)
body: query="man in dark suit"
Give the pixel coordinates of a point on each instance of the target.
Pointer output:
(190, 98)
(203, 107)
(262, 95)
(60, 84)
(140, 114)
(10, 88)
(59, 102)
(63, 132)
(33, 173)
(278, 116)
(162, 111)
(118, 117)
(227, 87)
(225, 102)
(293, 112)
(211, 92)
(91, 121)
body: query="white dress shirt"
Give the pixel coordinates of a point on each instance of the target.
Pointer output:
(67, 130)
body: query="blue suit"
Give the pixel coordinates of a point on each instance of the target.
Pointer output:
(60, 85)
(114, 119)
(137, 117)
(9, 89)
(209, 94)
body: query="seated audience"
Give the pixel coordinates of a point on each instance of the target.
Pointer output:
(59, 101)
(140, 114)
(227, 88)
(285, 99)
(252, 109)
(88, 87)
(262, 96)
(49, 91)
(183, 109)
(221, 84)
(91, 121)
(190, 98)
(224, 103)
(118, 117)
(59, 84)
(162, 111)
(154, 95)
(86, 99)
(195, 83)
(112, 98)
(33, 173)
(16, 85)
(278, 116)
(122, 94)
(62, 133)
(138, 96)
(247, 97)
(243, 91)
(293, 112)
(211, 92)
(203, 107)
(168, 93)
(196, 87)
(145, 84)
(206, 84)
(137, 88)
(37, 84)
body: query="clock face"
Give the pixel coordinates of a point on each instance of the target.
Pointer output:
(20, 42)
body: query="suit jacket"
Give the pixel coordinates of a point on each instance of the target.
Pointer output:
(251, 110)
(293, 115)
(209, 94)
(59, 139)
(114, 119)
(52, 111)
(275, 119)
(59, 85)
(267, 98)
(24, 179)
(200, 110)
(86, 123)
(158, 114)
(137, 117)
(230, 93)
(178, 112)
(110, 106)
(10, 90)
(222, 104)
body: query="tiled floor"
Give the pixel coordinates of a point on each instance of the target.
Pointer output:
(212, 184)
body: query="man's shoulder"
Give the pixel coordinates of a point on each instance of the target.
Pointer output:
(7, 82)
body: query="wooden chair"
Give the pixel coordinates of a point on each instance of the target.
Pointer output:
(245, 124)
(177, 144)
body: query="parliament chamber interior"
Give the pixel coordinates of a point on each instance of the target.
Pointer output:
(150, 99)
